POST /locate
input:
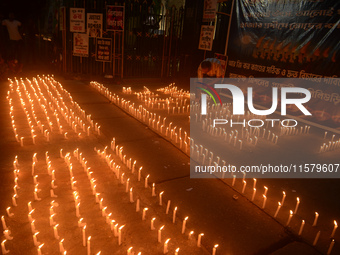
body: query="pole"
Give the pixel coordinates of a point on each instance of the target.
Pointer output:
(230, 17)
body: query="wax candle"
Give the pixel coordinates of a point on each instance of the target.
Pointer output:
(131, 196)
(301, 227)
(8, 212)
(165, 249)
(160, 197)
(89, 245)
(152, 224)
(315, 219)
(84, 235)
(120, 234)
(214, 249)
(168, 207)
(290, 217)
(264, 201)
(283, 197)
(334, 229)
(184, 224)
(199, 240)
(146, 181)
(55, 231)
(36, 243)
(174, 215)
(3, 247)
(297, 205)
(144, 213)
(160, 234)
(277, 210)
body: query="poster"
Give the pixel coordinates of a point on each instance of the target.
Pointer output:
(77, 20)
(62, 18)
(209, 11)
(206, 37)
(80, 44)
(104, 49)
(94, 24)
(114, 18)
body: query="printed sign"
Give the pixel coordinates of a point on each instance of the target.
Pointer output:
(206, 37)
(77, 20)
(209, 10)
(104, 49)
(114, 18)
(94, 24)
(80, 44)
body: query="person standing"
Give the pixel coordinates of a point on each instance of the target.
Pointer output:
(15, 39)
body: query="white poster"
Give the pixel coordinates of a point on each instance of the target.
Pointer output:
(80, 44)
(206, 37)
(94, 24)
(77, 20)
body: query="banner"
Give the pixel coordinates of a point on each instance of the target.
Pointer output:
(290, 39)
(104, 49)
(114, 18)
(281, 38)
(77, 20)
(206, 37)
(80, 44)
(209, 11)
(94, 24)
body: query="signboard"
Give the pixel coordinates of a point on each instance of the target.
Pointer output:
(80, 44)
(209, 11)
(94, 24)
(77, 20)
(206, 37)
(114, 18)
(62, 18)
(104, 49)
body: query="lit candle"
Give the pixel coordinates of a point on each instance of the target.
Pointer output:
(199, 240)
(244, 186)
(77, 210)
(84, 235)
(290, 217)
(8, 212)
(165, 250)
(184, 223)
(22, 141)
(334, 229)
(160, 197)
(277, 210)
(177, 251)
(51, 220)
(264, 201)
(36, 243)
(104, 211)
(234, 179)
(297, 204)
(315, 219)
(144, 213)
(265, 191)
(153, 190)
(108, 218)
(131, 196)
(254, 183)
(14, 201)
(7, 235)
(152, 224)
(3, 247)
(174, 215)
(33, 227)
(283, 197)
(160, 234)
(254, 193)
(127, 185)
(301, 227)
(190, 234)
(89, 245)
(330, 247)
(129, 251)
(55, 230)
(30, 215)
(139, 173)
(120, 235)
(214, 249)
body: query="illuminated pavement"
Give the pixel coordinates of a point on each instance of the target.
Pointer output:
(238, 226)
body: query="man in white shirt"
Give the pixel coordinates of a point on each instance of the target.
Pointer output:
(15, 38)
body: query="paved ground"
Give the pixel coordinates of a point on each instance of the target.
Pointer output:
(238, 226)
